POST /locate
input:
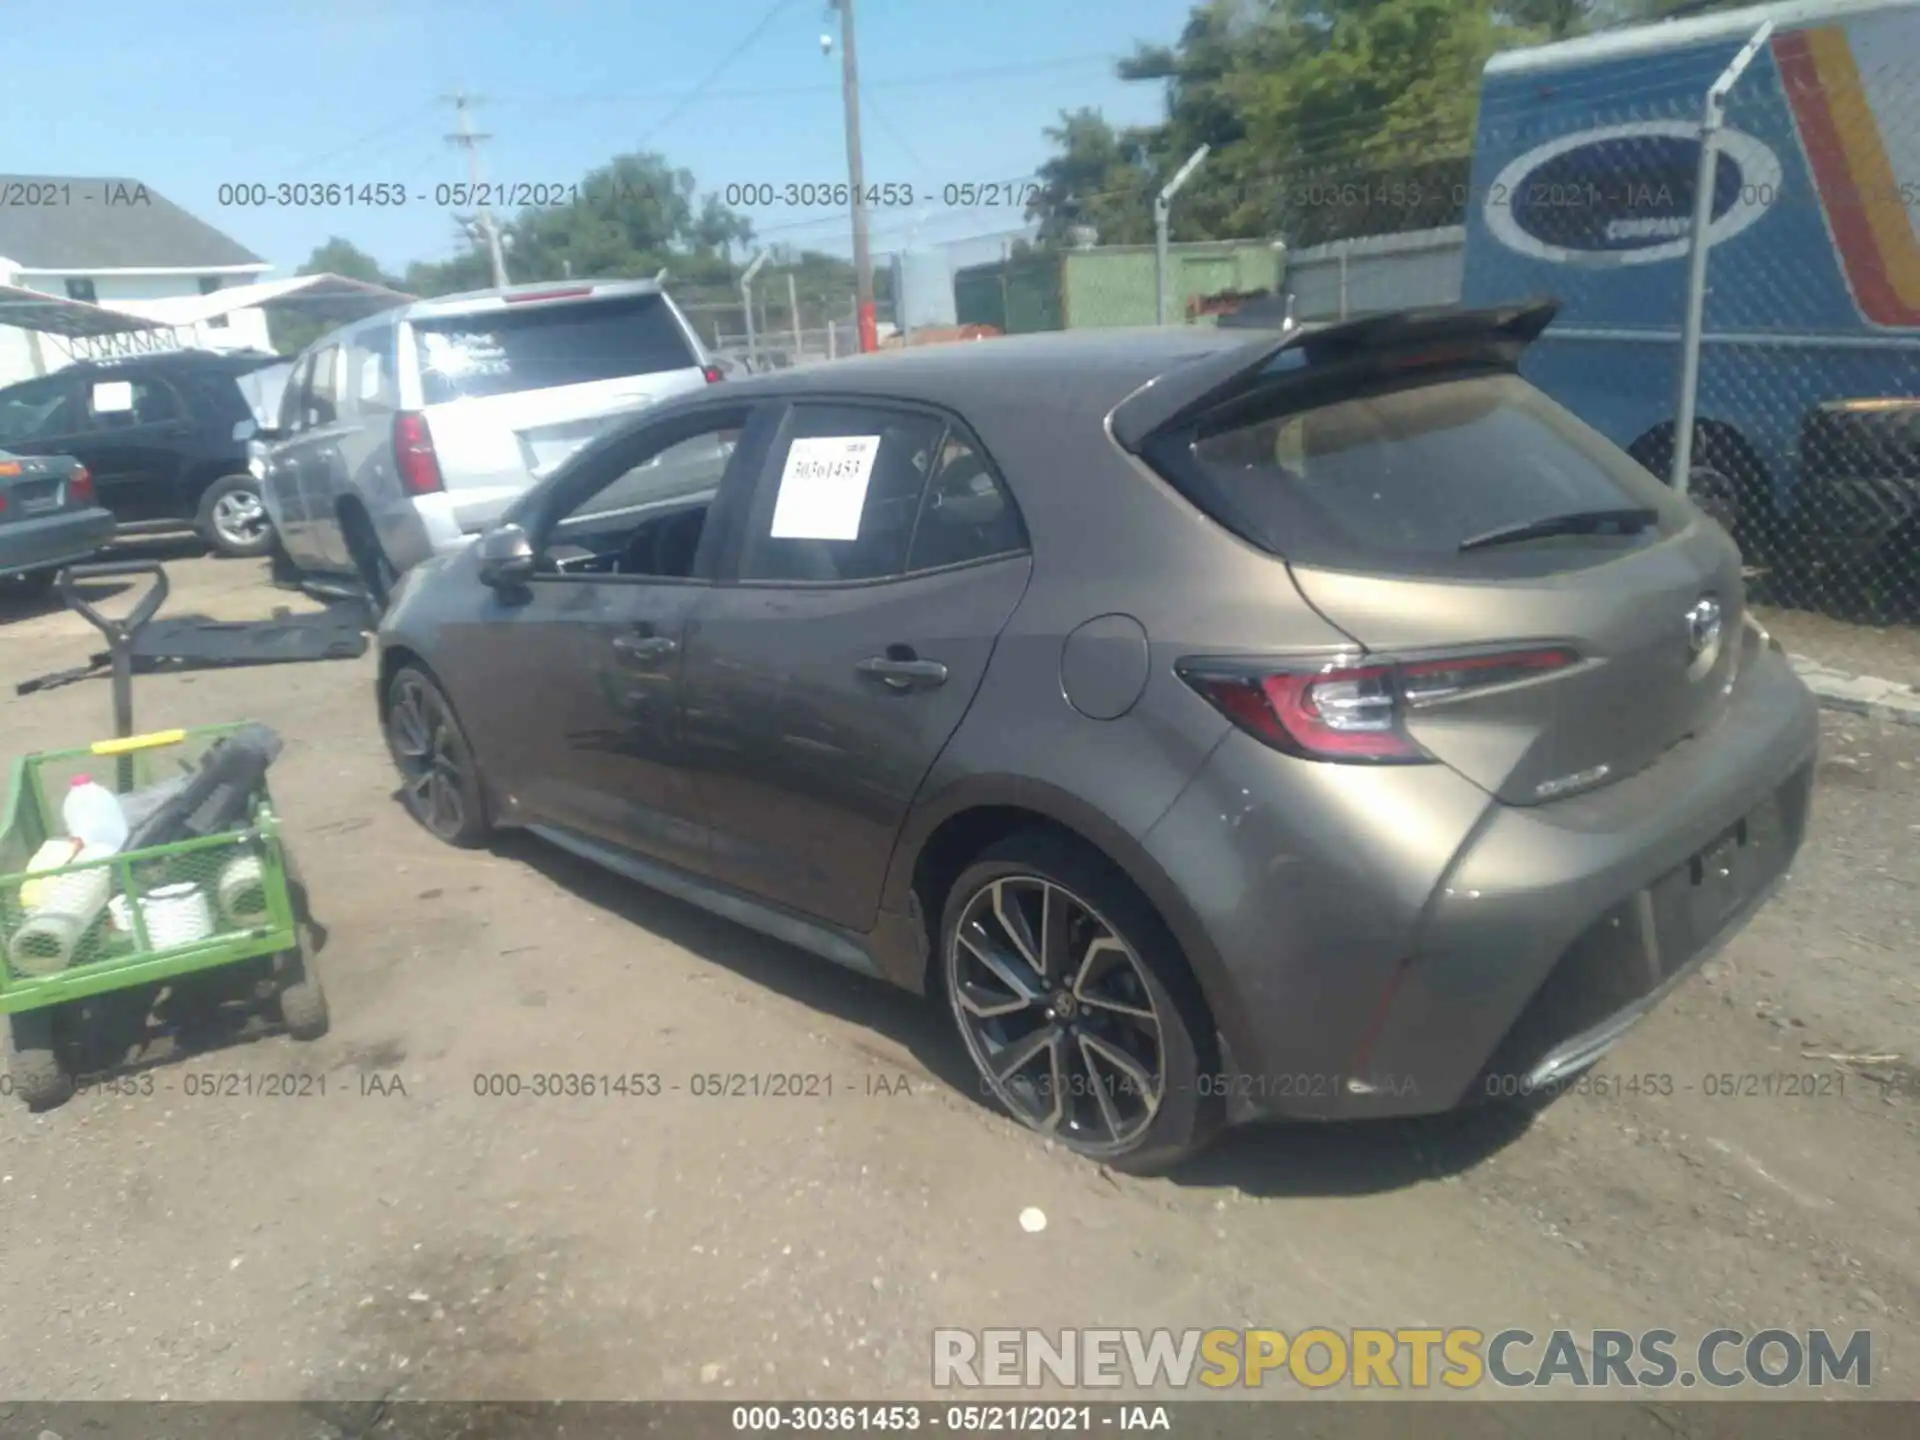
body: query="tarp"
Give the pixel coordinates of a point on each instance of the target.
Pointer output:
(328, 297)
(332, 298)
(57, 315)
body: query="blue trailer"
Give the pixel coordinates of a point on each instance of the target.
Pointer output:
(1583, 182)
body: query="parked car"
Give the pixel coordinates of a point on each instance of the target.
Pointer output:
(406, 435)
(163, 435)
(49, 517)
(1317, 723)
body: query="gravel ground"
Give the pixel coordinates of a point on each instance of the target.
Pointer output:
(402, 1235)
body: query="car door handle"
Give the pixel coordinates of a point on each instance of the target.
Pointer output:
(902, 674)
(645, 647)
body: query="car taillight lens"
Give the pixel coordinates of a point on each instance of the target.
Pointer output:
(1354, 713)
(713, 373)
(80, 489)
(413, 452)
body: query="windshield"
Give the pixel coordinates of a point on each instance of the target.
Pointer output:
(502, 352)
(1406, 475)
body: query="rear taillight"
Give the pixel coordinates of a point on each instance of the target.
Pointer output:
(713, 373)
(1354, 713)
(535, 296)
(80, 486)
(413, 453)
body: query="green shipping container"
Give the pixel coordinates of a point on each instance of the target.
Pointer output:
(1108, 286)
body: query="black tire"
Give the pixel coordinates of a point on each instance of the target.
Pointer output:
(301, 1001)
(1725, 483)
(451, 808)
(378, 577)
(1100, 905)
(233, 518)
(35, 1068)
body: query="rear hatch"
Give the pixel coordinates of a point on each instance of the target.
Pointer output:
(512, 390)
(33, 487)
(1532, 608)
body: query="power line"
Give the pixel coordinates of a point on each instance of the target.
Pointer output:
(382, 133)
(714, 74)
(919, 82)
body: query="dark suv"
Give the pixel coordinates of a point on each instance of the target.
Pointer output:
(164, 436)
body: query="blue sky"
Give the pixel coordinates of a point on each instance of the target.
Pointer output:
(186, 97)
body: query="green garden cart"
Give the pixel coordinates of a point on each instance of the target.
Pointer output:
(87, 937)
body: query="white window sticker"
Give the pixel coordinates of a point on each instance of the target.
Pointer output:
(824, 488)
(111, 397)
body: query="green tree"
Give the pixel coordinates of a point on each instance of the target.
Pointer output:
(627, 219)
(1324, 117)
(1098, 179)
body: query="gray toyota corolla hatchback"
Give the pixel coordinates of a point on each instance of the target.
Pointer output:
(1223, 725)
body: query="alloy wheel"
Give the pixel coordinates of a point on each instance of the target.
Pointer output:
(1054, 1006)
(432, 761)
(240, 518)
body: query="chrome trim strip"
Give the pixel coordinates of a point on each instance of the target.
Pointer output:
(1577, 1054)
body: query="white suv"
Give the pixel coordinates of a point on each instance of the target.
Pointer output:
(403, 436)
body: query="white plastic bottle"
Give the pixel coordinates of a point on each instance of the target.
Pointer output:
(92, 814)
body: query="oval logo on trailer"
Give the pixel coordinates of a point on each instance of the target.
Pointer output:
(1623, 194)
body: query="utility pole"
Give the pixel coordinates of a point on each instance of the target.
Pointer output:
(468, 140)
(856, 172)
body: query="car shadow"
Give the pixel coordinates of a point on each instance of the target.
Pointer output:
(17, 605)
(1269, 1161)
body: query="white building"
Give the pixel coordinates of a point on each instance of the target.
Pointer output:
(110, 241)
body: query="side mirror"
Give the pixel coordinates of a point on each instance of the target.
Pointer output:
(245, 430)
(506, 557)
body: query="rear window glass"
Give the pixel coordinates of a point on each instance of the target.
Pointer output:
(500, 352)
(1406, 475)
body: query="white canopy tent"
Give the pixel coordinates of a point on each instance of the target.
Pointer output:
(139, 326)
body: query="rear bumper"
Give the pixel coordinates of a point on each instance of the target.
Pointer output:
(54, 540)
(1422, 960)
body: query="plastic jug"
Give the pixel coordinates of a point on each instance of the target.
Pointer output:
(92, 814)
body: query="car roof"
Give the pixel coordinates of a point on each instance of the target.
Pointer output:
(1089, 371)
(493, 297)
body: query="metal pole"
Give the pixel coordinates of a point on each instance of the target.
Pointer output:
(746, 305)
(469, 141)
(793, 313)
(1160, 258)
(1712, 117)
(1162, 210)
(856, 172)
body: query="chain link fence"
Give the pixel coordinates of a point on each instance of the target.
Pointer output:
(1581, 184)
(1806, 440)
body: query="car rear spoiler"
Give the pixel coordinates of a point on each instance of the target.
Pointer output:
(1214, 380)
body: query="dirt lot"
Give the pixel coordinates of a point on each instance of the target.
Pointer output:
(403, 1235)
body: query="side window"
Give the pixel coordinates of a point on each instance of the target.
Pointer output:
(323, 392)
(123, 404)
(370, 378)
(839, 502)
(39, 409)
(968, 514)
(646, 520)
(293, 400)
